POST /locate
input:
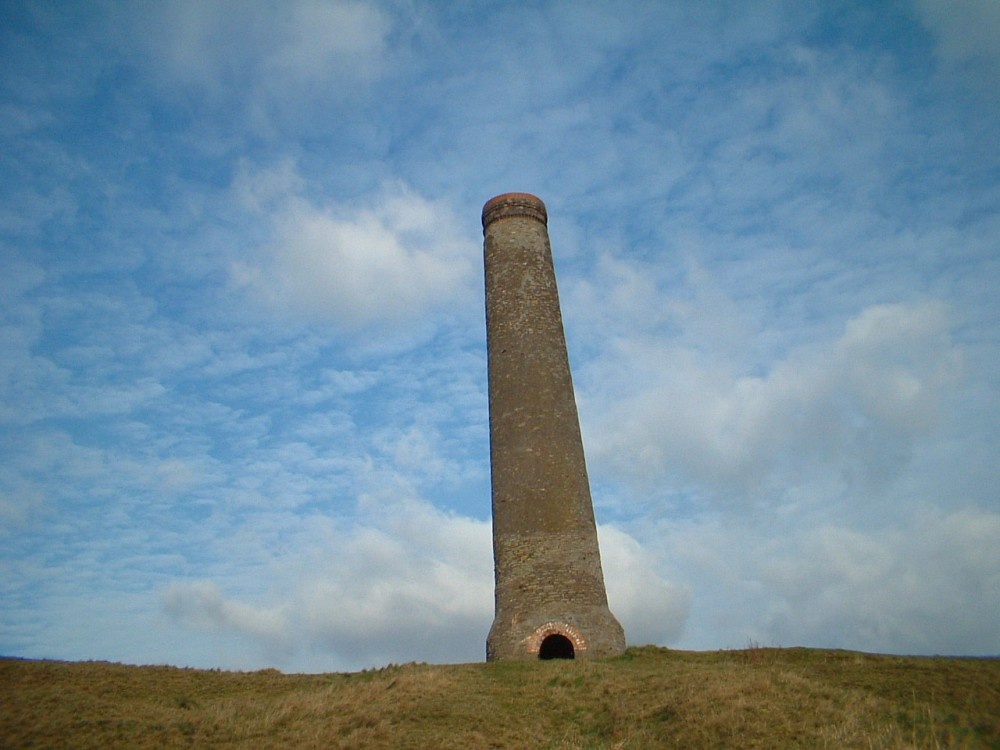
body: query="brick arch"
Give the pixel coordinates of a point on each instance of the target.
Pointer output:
(534, 641)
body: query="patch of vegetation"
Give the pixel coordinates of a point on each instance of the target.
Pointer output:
(648, 698)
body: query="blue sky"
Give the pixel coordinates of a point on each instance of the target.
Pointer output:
(243, 416)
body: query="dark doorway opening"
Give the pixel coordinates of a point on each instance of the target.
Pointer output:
(556, 646)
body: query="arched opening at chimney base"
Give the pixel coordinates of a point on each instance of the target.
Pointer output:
(556, 646)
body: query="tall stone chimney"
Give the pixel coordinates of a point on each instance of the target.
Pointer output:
(550, 596)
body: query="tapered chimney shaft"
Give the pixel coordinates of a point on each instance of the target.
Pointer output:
(550, 595)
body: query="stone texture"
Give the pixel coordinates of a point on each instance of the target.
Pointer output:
(547, 562)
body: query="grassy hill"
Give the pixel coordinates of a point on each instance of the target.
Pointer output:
(648, 698)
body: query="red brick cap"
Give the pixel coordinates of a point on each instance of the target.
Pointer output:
(514, 204)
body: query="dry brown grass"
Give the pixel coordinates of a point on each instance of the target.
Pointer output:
(651, 697)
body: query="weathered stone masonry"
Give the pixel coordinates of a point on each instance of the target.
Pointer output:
(549, 582)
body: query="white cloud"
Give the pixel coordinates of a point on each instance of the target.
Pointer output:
(320, 39)
(223, 47)
(845, 412)
(393, 598)
(928, 584)
(201, 603)
(968, 43)
(410, 583)
(649, 607)
(19, 506)
(924, 580)
(390, 260)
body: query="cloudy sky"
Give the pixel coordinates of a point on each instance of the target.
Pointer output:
(243, 414)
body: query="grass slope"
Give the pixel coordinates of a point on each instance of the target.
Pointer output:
(648, 698)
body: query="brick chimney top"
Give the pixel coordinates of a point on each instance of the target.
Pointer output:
(514, 204)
